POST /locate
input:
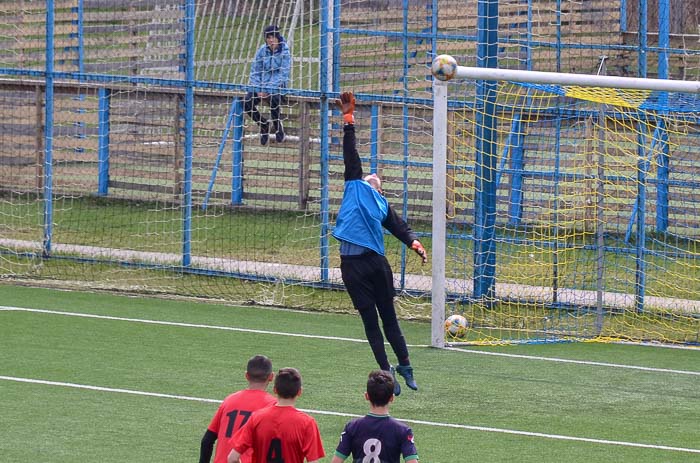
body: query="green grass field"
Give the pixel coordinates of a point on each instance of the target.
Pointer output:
(100, 377)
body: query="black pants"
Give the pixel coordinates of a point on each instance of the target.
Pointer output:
(370, 284)
(250, 106)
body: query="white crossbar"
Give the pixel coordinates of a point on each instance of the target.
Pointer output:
(588, 80)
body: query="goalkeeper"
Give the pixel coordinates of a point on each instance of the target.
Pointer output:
(364, 269)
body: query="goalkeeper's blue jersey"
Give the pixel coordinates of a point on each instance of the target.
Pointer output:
(362, 212)
(377, 438)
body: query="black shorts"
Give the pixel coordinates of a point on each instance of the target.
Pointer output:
(368, 279)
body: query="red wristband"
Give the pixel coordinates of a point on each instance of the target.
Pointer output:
(349, 118)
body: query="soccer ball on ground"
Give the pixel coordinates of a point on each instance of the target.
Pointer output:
(444, 67)
(456, 326)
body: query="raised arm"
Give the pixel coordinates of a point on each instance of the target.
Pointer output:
(351, 158)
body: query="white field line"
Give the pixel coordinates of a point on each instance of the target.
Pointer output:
(350, 415)
(323, 412)
(337, 338)
(180, 324)
(579, 362)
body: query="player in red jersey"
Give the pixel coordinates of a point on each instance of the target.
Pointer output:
(281, 433)
(235, 411)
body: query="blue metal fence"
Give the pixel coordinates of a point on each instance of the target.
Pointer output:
(486, 48)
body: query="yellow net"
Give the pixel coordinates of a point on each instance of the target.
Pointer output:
(595, 226)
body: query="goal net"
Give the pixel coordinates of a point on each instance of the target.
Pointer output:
(128, 162)
(566, 208)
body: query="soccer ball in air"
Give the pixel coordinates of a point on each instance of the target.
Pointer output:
(456, 326)
(444, 67)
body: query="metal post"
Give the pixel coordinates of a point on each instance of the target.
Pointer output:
(327, 17)
(486, 156)
(104, 102)
(237, 153)
(662, 171)
(48, 131)
(189, 133)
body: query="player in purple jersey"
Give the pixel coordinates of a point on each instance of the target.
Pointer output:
(377, 437)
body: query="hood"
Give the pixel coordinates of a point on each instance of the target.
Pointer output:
(274, 30)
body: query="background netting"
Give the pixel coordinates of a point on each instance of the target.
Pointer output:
(126, 162)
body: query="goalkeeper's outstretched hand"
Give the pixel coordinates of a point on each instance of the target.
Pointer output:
(420, 250)
(346, 104)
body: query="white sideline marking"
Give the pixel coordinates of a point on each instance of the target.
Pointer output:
(336, 338)
(351, 415)
(106, 389)
(180, 324)
(579, 362)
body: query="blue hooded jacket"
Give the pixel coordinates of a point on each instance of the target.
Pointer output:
(271, 69)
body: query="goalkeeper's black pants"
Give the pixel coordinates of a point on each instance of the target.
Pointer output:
(370, 284)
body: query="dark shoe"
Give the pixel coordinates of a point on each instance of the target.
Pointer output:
(264, 134)
(397, 386)
(279, 133)
(407, 372)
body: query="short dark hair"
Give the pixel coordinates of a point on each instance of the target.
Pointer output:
(288, 383)
(259, 368)
(380, 387)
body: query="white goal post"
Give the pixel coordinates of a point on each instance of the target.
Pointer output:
(439, 212)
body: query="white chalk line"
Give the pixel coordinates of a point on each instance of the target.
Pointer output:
(578, 362)
(323, 412)
(179, 324)
(351, 415)
(336, 338)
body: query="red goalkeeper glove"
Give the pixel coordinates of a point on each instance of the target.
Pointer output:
(346, 104)
(420, 250)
